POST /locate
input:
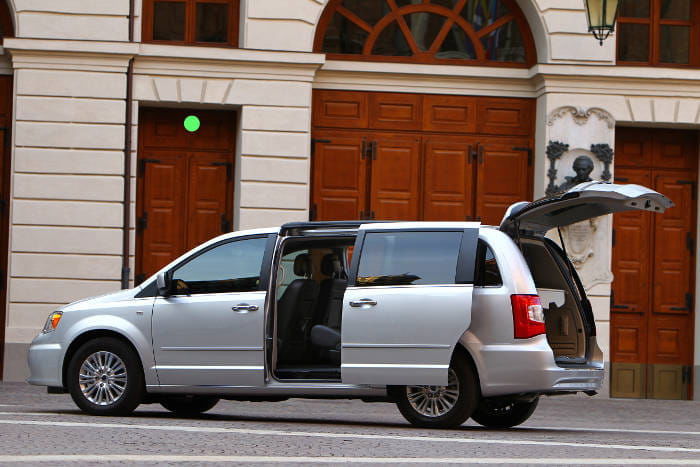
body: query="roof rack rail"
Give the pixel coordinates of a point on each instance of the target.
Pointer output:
(295, 227)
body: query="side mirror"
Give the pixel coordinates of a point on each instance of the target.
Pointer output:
(163, 283)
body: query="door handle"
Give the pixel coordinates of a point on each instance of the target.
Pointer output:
(244, 308)
(363, 302)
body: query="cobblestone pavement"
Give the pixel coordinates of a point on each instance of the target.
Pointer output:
(37, 428)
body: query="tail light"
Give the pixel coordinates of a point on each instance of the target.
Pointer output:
(528, 316)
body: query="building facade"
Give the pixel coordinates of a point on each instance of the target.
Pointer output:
(134, 130)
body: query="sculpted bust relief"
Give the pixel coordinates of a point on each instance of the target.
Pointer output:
(583, 166)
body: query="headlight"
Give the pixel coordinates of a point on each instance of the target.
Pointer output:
(52, 321)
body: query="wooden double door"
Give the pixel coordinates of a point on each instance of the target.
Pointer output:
(653, 294)
(185, 184)
(419, 157)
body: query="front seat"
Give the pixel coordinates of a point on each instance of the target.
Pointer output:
(295, 309)
(326, 334)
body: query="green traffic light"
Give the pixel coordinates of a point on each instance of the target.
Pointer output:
(192, 123)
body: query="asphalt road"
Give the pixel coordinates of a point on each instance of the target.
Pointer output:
(37, 428)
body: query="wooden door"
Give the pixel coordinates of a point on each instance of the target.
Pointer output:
(340, 174)
(503, 176)
(394, 182)
(653, 264)
(448, 180)
(185, 186)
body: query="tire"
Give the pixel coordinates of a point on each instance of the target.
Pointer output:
(189, 406)
(462, 399)
(503, 413)
(116, 387)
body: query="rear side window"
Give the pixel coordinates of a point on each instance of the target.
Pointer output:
(487, 274)
(409, 258)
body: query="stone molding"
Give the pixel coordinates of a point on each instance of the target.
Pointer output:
(581, 115)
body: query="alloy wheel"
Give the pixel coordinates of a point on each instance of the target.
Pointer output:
(434, 401)
(103, 378)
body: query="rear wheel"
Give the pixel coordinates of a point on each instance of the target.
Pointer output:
(503, 413)
(189, 405)
(441, 406)
(104, 377)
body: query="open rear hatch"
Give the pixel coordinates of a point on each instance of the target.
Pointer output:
(569, 317)
(584, 201)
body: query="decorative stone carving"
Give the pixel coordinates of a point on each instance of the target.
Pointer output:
(555, 150)
(605, 154)
(581, 116)
(579, 240)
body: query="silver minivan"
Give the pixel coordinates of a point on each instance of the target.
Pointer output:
(449, 320)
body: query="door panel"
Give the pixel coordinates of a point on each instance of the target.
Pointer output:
(200, 341)
(340, 176)
(340, 109)
(395, 178)
(505, 116)
(395, 111)
(377, 351)
(452, 114)
(503, 177)
(449, 179)
(161, 221)
(633, 148)
(672, 149)
(208, 189)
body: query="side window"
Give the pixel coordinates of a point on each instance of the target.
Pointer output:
(488, 274)
(231, 267)
(409, 258)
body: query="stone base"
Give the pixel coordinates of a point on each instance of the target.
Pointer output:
(15, 366)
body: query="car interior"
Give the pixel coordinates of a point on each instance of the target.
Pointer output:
(564, 322)
(310, 282)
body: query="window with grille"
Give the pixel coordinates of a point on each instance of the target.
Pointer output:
(426, 31)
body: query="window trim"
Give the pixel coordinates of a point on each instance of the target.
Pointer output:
(190, 23)
(464, 275)
(398, 15)
(654, 22)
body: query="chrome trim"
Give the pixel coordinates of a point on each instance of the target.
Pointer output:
(213, 349)
(396, 365)
(210, 367)
(395, 346)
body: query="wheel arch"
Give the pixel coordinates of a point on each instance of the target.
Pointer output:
(89, 335)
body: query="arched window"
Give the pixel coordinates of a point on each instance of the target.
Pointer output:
(461, 32)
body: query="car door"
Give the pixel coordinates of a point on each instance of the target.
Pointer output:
(210, 331)
(407, 304)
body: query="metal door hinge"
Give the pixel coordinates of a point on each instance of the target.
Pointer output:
(472, 154)
(687, 373)
(143, 162)
(373, 150)
(139, 279)
(229, 168)
(225, 224)
(313, 212)
(480, 151)
(622, 179)
(529, 154)
(366, 215)
(690, 243)
(142, 222)
(614, 237)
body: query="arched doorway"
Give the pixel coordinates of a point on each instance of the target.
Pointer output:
(6, 97)
(406, 156)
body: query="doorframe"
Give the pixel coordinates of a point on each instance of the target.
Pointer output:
(5, 204)
(231, 191)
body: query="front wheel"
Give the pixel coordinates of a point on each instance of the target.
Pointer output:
(503, 413)
(189, 405)
(441, 406)
(104, 377)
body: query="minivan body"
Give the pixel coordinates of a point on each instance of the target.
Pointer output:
(449, 320)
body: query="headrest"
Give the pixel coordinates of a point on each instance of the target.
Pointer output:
(330, 264)
(302, 265)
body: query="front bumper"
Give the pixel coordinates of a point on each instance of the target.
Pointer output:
(529, 367)
(45, 362)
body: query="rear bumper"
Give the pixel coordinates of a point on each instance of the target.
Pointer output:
(529, 367)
